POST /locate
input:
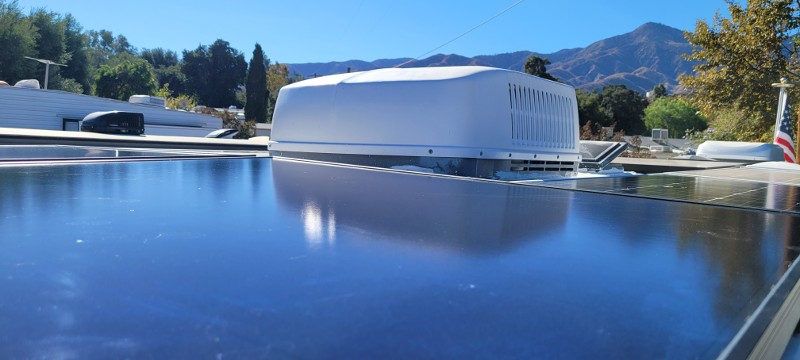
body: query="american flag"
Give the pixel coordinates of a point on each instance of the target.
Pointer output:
(783, 137)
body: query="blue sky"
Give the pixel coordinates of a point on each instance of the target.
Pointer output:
(300, 31)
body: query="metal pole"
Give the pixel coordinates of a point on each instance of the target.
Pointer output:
(47, 75)
(46, 69)
(783, 97)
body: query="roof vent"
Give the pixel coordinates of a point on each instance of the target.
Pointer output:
(148, 100)
(468, 120)
(740, 151)
(28, 84)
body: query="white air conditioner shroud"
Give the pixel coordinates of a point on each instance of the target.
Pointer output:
(467, 112)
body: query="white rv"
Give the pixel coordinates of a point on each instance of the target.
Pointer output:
(34, 108)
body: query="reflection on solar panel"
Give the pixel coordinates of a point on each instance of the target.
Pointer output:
(249, 258)
(710, 190)
(33, 153)
(750, 173)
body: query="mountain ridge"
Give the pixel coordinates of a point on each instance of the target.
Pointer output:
(649, 55)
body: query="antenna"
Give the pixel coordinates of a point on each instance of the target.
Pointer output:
(46, 68)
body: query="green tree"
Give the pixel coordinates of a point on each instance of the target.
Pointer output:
(130, 76)
(213, 73)
(59, 39)
(159, 57)
(733, 124)
(738, 59)
(173, 76)
(277, 77)
(108, 44)
(58, 82)
(50, 44)
(675, 115)
(103, 47)
(537, 66)
(659, 91)
(167, 68)
(626, 108)
(256, 87)
(75, 43)
(17, 40)
(591, 110)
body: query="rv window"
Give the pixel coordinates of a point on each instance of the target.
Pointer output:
(71, 124)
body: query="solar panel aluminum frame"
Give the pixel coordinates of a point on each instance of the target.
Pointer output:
(766, 334)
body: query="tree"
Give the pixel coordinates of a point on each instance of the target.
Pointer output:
(104, 47)
(17, 40)
(75, 43)
(740, 57)
(60, 39)
(733, 124)
(159, 57)
(107, 43)
(167, 68)
(130, 76)
(50, 44)
(67, 84)
(256, 87)
(537, 66)
(615, 106)
(213, 73)
(626, 108)
(659, 91)
(278, 77)
(590, 109)
(674, 115)
(173, 76)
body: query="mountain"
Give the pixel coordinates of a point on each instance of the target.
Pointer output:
(650, 55)
(641, 59)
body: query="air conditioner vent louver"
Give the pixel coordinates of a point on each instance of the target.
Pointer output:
(534, 165)
(540, 118)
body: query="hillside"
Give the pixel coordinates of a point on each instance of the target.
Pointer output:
(640, 59)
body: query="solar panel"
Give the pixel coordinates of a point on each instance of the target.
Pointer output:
(751, 174)
(262, 257)
(33, 153)
(697, 189)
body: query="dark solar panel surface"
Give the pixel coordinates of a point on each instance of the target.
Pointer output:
(262, 258)
(783, 197)
(751, 174)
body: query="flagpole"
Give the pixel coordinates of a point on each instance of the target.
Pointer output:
(782, 97)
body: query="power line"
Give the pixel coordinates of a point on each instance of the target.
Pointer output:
(465, 33)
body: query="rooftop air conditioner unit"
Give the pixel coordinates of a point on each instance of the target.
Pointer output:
(148, 100)
(660, 134)
(113, 122)
(470, 120)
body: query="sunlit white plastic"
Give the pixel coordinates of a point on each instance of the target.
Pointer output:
(743, 151)
(464, 112)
